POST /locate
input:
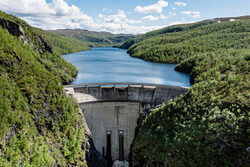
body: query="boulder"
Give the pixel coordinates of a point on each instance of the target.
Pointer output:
(120, 164)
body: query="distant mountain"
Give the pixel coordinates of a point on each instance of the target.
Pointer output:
(93, 38)
(63, 44)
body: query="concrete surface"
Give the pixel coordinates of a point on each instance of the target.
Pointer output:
(112, 116)
(117, 106)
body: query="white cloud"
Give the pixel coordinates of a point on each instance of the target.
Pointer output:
(101, 15)
(115, 18)
(121, 17)
(119, 22)
(54, 15)
(106, 10)
(181, 22)
(180, 3)
(132, 21)
(172, 14)
(163, 16)
(150, 18)
(195, 14)
(186, 12)
(173, 8)
(155, 8)
(58, 14)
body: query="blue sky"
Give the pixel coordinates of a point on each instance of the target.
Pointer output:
(121, 16)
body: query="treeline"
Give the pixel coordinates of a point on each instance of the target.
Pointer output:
(209, 125)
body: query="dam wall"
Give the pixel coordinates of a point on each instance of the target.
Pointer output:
(144, 93)
(111, 111)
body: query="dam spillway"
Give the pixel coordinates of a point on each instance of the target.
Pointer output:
(111, 111)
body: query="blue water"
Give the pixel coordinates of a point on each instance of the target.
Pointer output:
(115, 65)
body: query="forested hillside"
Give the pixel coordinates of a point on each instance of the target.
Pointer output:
(209, 125)
(39, 124)
(192, 39)
(94, 39)
(35, 36)
(177, 28)
(64, 45)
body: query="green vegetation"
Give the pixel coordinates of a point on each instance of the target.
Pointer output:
(39, 124)
(177, 46)
(209, 125)
(94, 39)
(176, 28)
(35, 37)
(64, 45)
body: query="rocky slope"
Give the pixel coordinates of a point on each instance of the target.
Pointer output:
(40, 125)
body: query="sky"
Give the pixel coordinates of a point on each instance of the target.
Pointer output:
(121, 16)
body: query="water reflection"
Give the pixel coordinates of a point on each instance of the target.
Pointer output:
(115, 65)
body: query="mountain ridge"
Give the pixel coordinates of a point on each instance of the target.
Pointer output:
(94, 38)
(175, 28)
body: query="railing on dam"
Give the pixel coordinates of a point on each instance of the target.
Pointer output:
(124, 91)
(121, 84)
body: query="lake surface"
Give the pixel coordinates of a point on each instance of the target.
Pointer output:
(101, 65)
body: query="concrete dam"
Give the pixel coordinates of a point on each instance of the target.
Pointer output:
(111, 111)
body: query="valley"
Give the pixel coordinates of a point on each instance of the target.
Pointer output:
(181, 99)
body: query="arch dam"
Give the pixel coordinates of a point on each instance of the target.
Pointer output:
(111, 111)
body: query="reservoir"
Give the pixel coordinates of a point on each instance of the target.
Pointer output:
(107, 64)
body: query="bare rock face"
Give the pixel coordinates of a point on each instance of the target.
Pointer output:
(120, 164)
(16, 29)
(13, 28)
(93, 157)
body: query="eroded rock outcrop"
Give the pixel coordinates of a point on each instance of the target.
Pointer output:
(35, 40)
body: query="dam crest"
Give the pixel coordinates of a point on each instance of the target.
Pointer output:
(111, 111)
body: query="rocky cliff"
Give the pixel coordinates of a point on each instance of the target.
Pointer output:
(19, 30)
